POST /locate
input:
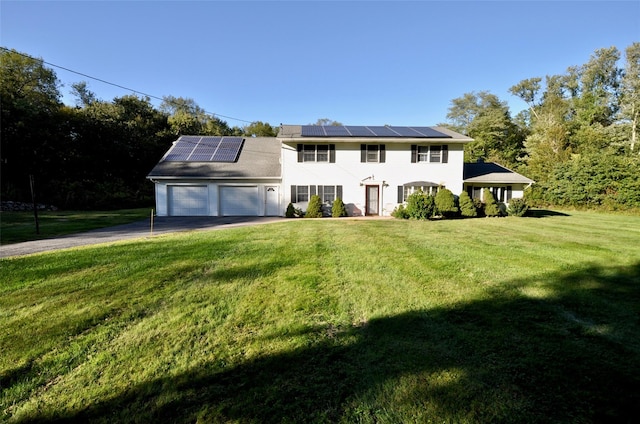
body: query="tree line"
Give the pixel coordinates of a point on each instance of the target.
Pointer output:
(578, 138)
(96, 154)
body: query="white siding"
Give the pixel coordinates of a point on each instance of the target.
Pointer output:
(349, 172)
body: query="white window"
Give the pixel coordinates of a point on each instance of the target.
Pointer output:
(328, 194)
(409, 190)
(322, 153)
(435, 154)
(373, 153)
(423, 153)
(309, 152)
(302, 194)
(430, 154)
(315, 153)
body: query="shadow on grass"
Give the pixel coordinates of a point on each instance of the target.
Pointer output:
(543, 213)
(565, 350)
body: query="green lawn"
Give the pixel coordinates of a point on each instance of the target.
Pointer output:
(21, 226)
(335, 320)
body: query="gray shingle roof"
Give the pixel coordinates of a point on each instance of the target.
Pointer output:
(259, 158)
(491, 172)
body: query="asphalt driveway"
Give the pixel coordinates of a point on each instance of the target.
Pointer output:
(139, 229)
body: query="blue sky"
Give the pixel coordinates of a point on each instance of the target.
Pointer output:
(292, 62)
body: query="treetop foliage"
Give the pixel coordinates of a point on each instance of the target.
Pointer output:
(587, 117)
(578, 138)
(96, 154)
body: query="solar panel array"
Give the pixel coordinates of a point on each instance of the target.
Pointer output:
(190, 148)
(370, 131)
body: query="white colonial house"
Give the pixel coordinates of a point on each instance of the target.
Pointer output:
(371, 168)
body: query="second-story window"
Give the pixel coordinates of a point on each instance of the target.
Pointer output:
(316, 153)
(430, 153)
(372, 153)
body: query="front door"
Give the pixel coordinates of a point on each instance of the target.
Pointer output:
(373, 192)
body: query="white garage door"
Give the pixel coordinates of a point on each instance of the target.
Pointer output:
(238, 201)
(188, 200)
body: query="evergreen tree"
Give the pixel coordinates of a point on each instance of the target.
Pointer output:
(446, 203)
(467, 208)
(314, 208)
(420, 205)
(337, 209)
(490, 205)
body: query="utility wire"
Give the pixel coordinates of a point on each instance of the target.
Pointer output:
(119, 86)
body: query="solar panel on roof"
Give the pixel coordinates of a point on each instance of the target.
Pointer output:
(205, 149)
(313, 131)
(383, 132)
(202, 153)
(406, 132)
(430, 132)
(359, 131)
(228, 149)
(336, 131)
(370, 131)
(180, 150)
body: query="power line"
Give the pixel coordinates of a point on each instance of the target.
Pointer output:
(151, 96)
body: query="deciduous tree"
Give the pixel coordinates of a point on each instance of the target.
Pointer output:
(29, 131)
(259, 129)
(630, 94)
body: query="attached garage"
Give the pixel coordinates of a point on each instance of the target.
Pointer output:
(239, 201)
(188, 200)
(219, 176)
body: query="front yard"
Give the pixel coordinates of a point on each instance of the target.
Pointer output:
(334, 320)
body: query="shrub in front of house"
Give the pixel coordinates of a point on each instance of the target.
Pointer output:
(338, 209)
(314, 209)
(490, 205)
(400, 212)
(420, 205)
(467, 208)
(290, 212)
(517, 207)
(445, 203)
(477, 203)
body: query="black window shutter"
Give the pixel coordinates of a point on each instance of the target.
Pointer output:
(312, 191)
(445, 154)
(509, 192)
(383, 153)
(414, 153)
(363, 153)
(400, 194)
(294, 194)
(299, 153)
(339, 191)
(332, 153)
(320, 191)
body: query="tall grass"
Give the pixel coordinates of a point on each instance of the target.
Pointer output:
(486, 320)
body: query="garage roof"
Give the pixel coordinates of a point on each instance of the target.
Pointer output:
(258, 158)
